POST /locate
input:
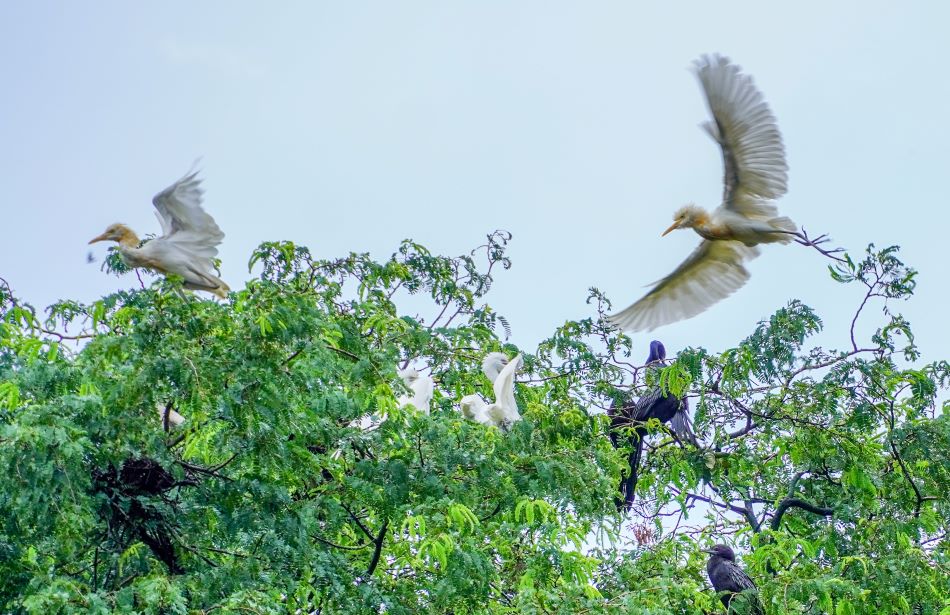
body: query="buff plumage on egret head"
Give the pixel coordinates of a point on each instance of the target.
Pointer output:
(188, 243)
(755, 174)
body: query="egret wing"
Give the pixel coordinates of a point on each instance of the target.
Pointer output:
(179, 211)
(474, 408)
(712, 272)
(176, 257)
(752, 150)
(504, 385)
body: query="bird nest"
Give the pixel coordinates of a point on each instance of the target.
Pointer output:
(137, 507)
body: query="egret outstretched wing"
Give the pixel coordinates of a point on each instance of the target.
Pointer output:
(752, 150)
(179, 211)
(504, 386)
(712, 272)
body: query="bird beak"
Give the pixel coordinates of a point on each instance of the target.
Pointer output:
(101, 237)
(673, 227)
(709, 551)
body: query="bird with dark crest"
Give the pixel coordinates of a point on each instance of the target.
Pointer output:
(735, 588)
(627, 424)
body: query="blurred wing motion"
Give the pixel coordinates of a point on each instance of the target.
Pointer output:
(743, 125)
(188, 243)
(189, 236)
(712, 272)
(755, 173)
(178, 209)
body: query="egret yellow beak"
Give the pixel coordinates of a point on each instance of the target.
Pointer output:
(101, 237)
(673, 227)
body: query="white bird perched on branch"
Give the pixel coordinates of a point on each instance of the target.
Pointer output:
(504, 411)
(422, 388)
(755, 174)
(188, 242)
(169, 418)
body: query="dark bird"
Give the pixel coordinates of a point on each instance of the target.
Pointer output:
(736, 590)
(627, 425)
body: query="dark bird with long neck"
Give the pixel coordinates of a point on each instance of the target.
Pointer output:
(627, 425)
(735, 588)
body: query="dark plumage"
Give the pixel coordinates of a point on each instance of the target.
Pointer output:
(729, 581)
(655, 404)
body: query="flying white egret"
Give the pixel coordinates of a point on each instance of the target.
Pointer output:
(188, 242)
(422, 388)
(504, 411)
(755, 174)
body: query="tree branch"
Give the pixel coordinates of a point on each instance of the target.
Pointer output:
(378, 550)
(787, 503)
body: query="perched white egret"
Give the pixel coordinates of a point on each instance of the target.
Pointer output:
(174, 418)
(188, 242)
(504, 411)
(422, 388)
(755, 174)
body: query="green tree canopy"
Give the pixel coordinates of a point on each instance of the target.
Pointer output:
(298, 484)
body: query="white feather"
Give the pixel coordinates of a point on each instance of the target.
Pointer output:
(422, 388)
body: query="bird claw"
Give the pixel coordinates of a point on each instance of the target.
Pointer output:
(801, 237)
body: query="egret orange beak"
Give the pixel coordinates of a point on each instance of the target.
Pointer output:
(673, 227)
(101, 237)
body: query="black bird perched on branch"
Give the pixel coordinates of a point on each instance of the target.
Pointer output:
(735, 588)
(656, 404)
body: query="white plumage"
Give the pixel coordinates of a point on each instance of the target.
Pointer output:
(188, 243)
(755, 173)
(504, 411)
(422, 388)
(174, 418)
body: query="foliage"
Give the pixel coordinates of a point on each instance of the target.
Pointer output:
(297, 484)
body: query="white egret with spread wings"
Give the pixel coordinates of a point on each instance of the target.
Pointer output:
(755, 174)
(504, 411)
(188, 243)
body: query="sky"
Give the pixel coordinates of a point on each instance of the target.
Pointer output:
(350, 126)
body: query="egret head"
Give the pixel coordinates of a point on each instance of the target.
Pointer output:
(408, 375)
(493, 363)
(120, 233)
(688, 216)
(722, 551)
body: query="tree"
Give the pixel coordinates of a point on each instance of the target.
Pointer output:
(277, 494)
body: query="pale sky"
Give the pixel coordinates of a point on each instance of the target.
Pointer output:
(349, 126)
